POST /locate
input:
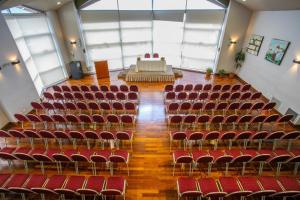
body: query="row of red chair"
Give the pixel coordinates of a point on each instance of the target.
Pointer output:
(222, 107)
(95, 88)
(214, 96)
(245, 122)
(59, 156)
(244, 187)
(81, 119)
(89, 96)
(207, 88)
(190, 137)
(237, 156)
(71, 135)
(90, 107)
(155, 55)
(61, 186)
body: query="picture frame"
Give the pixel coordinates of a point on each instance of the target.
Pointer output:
(254, 44)
(276, 51)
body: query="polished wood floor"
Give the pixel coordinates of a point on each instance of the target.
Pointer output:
(150, 161)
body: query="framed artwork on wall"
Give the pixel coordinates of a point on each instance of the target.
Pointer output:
(277, 50)
(254, 44)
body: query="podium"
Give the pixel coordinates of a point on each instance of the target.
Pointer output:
(102, 69)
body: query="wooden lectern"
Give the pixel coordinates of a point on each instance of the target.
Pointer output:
(101, 69)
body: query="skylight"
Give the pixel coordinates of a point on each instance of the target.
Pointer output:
(19, 10)
(103, 5)
(202, 5)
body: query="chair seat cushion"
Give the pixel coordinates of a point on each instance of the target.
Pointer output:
(186, 184)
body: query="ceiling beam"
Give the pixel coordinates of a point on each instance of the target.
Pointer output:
(223, 3)
(84, 3)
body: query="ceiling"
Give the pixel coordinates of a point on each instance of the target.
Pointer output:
(42, 5)
(271, 4)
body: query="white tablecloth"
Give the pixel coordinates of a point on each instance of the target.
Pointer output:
(151, 65)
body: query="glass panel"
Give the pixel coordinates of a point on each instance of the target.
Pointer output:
(169, 4)
(103, 5)
(46, 62)
(201, 5)
(34, 44)
(135, 4)
(201, 36)
(136, 35)
(100, 26)
(102, 37)
(25, 53)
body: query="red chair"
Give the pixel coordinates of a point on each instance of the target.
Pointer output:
(60, 136)
(82, 156)
(187, 188)
(271, 184)
(18, 134)
(271, 120)
(48, 106)
(290, 186)
(245, 88)
(220, 158)
(44, 157)
(79, 96)
(110, 96)
(75, 136)
(54, 182)
(194, 137)
(285, 120)
(182, 157)
(235, 88)
(197, 108)
(91, 136)
(75, 88)
(258, 121)
(203, 96)
(233, 107)
(99, 96)
(100, 156)
(245, 96)
(93, 187)
(175, 120)
(115, 186)
(133, 96)
(232, 188)
(89, 96)
(179, 88)
(34, 119)
(127, 120)
(48, 96)
(246, 119)
(244, 136)
(189, 121)
(259, 136)
(291, 136)
(124, 88)
(82, 106)
(123, 136)
(70, 188)
(109, 137)
(32, 135)
(214, 96)
(251, 184)
(192, 96)
(203, 120)
(168, 88)
(117, 107)
(224, 96)
(105, 107)
(231, 120)
(147, 55)
(225, 88)
(255, 96)
(209, 107)
(121, 96)
(170, 96)
(221, 107)
(268, 107)
(21, 118)
(239, 157)
(245, 107)
(113, 120)
(188, 87)
(58, 96)
(130, 108)
(198, 88)
(94, 88)
(114, 88)
(47, 120)
(181, 96)
(275, 136)
(4, 134)
(257, 157)
(46, 135)
(93, 106)
(133, 88)
(119, 156)
(202, 157)
(59, 106)
(6, 153)
(235, 96)
(216, 120)
(59, 119)
(104, 88)
(216, 88)
(70, 106)
(37, 107)
(155, 55)
(228, 135)
(25, 154)
(85, 120)
(210, 189)
(207, 88)
(177, 136)
(15, 181)
(184, 107)
(98, 120)
(66, 88)
(212, 136)
(84, 88)
(57, 88)
(73, 120)
(63, 157)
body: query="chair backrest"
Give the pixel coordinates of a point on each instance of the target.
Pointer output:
(155, 55)
(75, 88)
(147, 55)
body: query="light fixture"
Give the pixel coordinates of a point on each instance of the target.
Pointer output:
(58, 3)
(231, 42)
(73, 42)
(296, 61)
(13, 62)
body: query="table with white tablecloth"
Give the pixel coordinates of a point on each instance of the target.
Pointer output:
(151, 65)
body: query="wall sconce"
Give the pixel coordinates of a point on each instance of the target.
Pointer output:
(14, 62)
(73, 42)
(231, 42)
(296, 61)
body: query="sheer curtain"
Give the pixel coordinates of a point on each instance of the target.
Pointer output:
(37, 47)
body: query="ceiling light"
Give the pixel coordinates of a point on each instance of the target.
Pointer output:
(58, 3)
(244, 0)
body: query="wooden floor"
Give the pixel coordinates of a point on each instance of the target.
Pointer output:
(150, 161)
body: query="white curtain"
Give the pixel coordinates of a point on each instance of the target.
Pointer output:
(37, 47)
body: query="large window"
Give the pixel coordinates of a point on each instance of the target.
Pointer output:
(185, 32)
(37, 47)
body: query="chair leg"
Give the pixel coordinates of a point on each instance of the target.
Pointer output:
(261, 167)
(278, 168)
(76, 167)
(289, 145)
(226, 168)
(26, 166)
(209, 169)
(296, 168)
(42, 167)
(243, 169)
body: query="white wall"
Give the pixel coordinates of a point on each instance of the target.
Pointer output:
(3, 118)
(69, 21)
(235, 26)
(282, 81)
(16, 87)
